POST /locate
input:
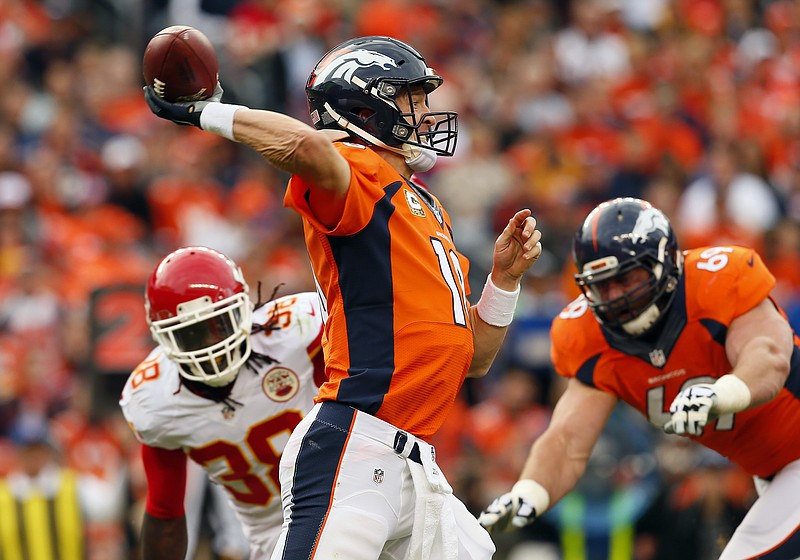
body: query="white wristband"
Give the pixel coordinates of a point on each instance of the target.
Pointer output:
(733, 394)
(497, 306)
(533, 492)
(218, 118)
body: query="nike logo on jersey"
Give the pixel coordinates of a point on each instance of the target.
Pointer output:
(750, 262)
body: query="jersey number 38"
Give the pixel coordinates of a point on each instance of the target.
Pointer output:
(241, 480)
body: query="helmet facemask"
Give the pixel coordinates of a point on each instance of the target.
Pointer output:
(636, 309)
(439, 138)
(209, 340)
(395, 129)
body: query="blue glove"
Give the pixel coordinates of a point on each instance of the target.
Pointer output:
(183, 112)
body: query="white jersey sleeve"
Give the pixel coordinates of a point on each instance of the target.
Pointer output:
(146, 399)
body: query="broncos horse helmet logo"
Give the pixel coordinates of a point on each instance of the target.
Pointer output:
(343, 65)
(649, 221)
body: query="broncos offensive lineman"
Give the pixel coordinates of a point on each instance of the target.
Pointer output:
(358, 479)
(693, 341)
(225, 387)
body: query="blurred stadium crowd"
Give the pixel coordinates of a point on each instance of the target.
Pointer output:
(691, 104)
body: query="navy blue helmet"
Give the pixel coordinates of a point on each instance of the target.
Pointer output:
(617, 237)
(355, 88)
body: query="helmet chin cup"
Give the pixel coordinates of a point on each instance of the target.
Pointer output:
(225, 366)
(643, 322)
(421, 159)
(220, 381)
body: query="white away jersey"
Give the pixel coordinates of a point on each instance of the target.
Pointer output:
(238, 446)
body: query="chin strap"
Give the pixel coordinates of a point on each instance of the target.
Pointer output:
(419, 159)
(423, 161)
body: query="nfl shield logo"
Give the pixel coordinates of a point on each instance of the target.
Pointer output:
(377, 476)
(657, 358)
(228, 412)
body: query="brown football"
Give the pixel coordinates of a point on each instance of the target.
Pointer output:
(181, 64)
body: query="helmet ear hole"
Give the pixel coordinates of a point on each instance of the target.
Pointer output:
(363, 113)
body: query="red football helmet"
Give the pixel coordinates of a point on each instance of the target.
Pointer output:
(199, 311)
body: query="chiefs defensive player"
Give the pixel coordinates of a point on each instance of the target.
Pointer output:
(225, 386)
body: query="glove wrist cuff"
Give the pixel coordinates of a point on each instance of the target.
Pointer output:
(733, 394)
(218, 118)
(534, 493)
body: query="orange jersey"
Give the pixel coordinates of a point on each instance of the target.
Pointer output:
(398, 340)
(718, 285)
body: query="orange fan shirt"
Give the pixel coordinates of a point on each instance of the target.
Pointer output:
(718, 285)
(398, 340)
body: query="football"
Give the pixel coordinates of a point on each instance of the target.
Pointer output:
(181, 64)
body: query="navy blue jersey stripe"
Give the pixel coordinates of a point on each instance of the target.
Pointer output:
(585, 373)
(793, 380)
(364, 261)
(314, 478)
(787, 550)
(717, 330)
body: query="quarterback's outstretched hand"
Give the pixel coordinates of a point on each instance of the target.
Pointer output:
(182, 112)
(518, 245)
(691, 410)
(515, 509)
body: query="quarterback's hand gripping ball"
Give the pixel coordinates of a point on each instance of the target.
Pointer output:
(182, 112)
(691, 410)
